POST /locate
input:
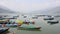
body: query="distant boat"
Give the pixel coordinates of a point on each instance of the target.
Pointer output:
(40, 15)
(34, 17)
(29, 22)
(49, 18)
(24, 16)
(15, 17)
(53, 21)
(57, 16)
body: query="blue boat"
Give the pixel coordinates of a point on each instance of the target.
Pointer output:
(11, 25)
(2, 30)
(0, 25)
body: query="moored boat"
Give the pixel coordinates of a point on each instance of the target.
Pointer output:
(29, 27)
(53, 21)
(29, 22)
(34, 17)
(49, 18)
(2, 30)
(11, 25)
(4, 21)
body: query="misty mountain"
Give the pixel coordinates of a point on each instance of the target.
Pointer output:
(5, 10)
(55, 10)
(49, 11)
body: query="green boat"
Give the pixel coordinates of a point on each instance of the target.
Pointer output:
(29, 27)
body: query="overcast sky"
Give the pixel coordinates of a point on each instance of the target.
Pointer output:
(29, 5)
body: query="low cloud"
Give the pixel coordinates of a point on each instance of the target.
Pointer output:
(25, 6)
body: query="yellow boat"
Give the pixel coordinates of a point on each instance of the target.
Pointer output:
(19, 21)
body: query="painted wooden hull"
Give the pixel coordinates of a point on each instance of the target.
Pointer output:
(4, 30)
(53, 21)
(11, 25)
(48, 18)
(22, 28)
(29, 27)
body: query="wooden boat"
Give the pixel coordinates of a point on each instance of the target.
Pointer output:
(49, 18)
(29, 27)
(25, 16)
(12, 20)
(15, 21)
(1, 18)
(34, 17)
(4, 21)
(0, 25)
(2, 30)
(29, 22)
(57, 16)
(53, 21)
(11, 25)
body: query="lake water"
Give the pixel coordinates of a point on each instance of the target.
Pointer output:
(47, 28)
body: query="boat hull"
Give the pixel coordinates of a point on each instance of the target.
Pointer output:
(48, 18)
(22, 28)
(3, 30)
(11, 25)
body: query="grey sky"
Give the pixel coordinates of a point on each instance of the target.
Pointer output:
(29, 5)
